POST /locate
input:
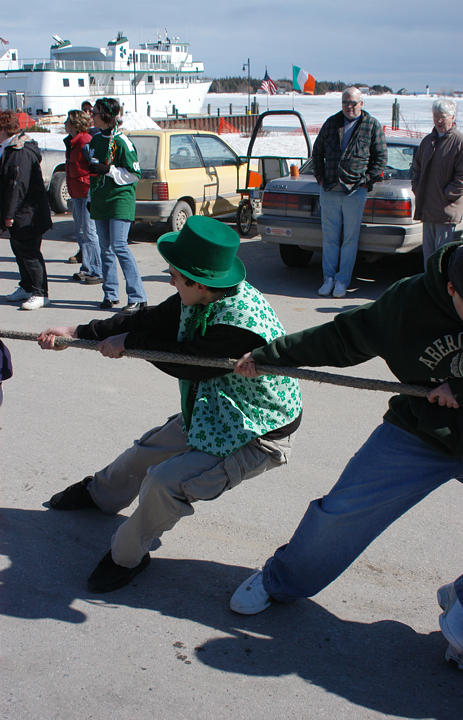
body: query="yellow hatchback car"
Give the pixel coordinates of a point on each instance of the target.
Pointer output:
(184, 173)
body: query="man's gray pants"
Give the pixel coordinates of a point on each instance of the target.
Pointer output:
(434, 236)
(168, 475)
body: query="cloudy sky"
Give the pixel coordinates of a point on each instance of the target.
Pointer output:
(409, 44)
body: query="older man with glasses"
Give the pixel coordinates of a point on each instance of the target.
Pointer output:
(349, 156)
(437, 179)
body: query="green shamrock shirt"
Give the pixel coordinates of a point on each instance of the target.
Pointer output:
(229, 411)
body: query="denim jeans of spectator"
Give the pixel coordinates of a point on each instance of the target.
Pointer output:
(87, 237)
(434, 236)
(390, 473)
(113, 236)
(341, 216)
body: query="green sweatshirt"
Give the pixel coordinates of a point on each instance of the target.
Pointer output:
(415, 328)
(109, 199)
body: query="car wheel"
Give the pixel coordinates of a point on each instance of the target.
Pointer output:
(244, 217)
(294, 256)
(58, 193)
(180, 214)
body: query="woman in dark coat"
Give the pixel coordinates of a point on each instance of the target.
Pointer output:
(24, 210)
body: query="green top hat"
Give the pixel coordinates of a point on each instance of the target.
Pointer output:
(205, 251)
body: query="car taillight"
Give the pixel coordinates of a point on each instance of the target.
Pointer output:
(393, 208)
(159, 191)
(286, 201)
(388, 208)
(274, 201)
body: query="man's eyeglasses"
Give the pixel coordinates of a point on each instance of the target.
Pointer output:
(351, 103)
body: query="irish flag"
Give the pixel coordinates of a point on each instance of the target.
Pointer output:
(303, 81)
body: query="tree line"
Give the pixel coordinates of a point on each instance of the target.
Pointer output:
(239, 84)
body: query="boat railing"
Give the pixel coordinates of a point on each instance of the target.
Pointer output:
(108, 66)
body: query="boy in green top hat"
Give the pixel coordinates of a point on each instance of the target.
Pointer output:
(229, 428)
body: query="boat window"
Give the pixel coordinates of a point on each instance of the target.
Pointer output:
(65, 82)
(150, 78)
(215, 152)
(81, 82)
(183, 153)
(147, 150)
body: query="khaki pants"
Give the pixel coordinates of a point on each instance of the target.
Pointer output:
(169, 476)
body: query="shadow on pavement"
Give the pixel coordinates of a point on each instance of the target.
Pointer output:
(271, 276)
(385, 666)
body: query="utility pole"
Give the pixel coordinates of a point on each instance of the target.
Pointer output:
(248, 66)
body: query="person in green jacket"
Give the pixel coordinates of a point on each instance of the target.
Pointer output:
(115, 171)
(417, 328)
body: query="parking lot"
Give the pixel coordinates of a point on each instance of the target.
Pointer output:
(167, 647)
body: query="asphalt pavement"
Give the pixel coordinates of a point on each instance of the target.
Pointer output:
(167, 647)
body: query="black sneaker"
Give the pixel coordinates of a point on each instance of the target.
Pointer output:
(108, 304)
(74, 497)
(109, 576)
(93, 280)
(134, 307)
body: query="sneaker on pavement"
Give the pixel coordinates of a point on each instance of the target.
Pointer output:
(327, 287)
(339, 290)
(74, 497)
(251, 597)
(35, 302)
(133, 307)
(451, 620)
(108, 575)
(19, 295)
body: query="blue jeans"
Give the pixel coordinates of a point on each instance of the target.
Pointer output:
(341, 215)
(390, 473)
(113, 236)
(86, 237)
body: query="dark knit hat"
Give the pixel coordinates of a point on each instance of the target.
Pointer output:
(455, 270)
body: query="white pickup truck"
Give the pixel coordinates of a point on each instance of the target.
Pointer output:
(54, 177)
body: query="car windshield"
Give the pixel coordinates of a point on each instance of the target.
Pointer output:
(147, 151)
(399, 162)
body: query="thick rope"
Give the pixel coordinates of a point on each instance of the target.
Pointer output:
(229, 363)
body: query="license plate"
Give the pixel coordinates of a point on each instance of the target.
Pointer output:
(278, 232)
(255, 194)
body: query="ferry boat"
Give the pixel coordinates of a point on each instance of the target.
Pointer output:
(157, 78)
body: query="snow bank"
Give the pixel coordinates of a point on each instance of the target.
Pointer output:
(137, 121)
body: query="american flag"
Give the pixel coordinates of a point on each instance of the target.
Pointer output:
(268, 85)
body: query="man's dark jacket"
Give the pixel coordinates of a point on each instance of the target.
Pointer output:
(363, 160)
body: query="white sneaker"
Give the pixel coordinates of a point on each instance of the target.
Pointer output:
(18, 295)
(250, 597)
(451, 622)
(339, 290)
(35, 302)
(327, 287)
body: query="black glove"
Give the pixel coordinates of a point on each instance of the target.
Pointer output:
(99, 168)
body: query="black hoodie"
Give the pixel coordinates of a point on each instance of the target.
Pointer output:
(415, 328)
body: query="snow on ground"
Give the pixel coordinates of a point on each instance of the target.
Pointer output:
(415, 114)
(54, 139)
